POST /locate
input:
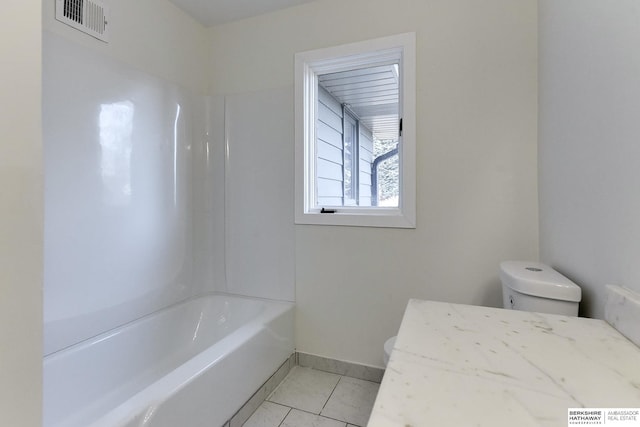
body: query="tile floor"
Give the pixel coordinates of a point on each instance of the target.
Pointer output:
(312, 398)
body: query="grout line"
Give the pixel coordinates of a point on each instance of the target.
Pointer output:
(324, 416)
(263, 388)
(273, 403)
(266, 399)
(290, 408)
(280, 404)
(286, 415)
(329, 398)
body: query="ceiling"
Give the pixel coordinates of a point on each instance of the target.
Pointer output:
(215, 12)
(371, 93)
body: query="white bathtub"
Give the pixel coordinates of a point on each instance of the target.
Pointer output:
(190, 365)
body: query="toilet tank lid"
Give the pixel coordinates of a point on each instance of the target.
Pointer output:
(534, 278)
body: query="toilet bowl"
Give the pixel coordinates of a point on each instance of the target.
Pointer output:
(532, 286)
(388, 346)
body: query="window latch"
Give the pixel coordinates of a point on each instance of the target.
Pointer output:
(325, 210)
(400, 127)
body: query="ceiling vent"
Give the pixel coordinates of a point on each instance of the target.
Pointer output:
(88, 16)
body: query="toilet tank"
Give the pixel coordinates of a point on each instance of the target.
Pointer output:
(532, 286)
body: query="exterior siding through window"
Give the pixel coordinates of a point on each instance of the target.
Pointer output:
(330, 154)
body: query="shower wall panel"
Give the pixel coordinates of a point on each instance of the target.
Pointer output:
(118, 194)
(260, 233)
(208, 190)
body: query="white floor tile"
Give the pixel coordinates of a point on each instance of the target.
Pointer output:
(304, 419)
(305, 389)
(352, 401)
(267, 415)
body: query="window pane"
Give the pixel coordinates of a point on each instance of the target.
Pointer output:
(388, 179)
(350, 157)
(362, 106)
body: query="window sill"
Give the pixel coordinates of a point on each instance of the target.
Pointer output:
(387, 218)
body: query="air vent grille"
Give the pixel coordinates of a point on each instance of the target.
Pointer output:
(73, 10)
(89, 16)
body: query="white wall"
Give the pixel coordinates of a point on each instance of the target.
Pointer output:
(151, 35)
(477, 160)
(589, 130)
(20, 216)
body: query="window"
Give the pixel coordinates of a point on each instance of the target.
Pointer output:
(355, 134)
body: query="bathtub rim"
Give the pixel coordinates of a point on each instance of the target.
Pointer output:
(113, 331)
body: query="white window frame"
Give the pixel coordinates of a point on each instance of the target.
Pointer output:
(308, 65)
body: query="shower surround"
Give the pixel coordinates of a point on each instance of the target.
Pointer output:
(155, 195)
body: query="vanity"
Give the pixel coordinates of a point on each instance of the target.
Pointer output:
(461, 365)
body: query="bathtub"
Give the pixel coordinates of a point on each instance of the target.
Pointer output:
(190, 365)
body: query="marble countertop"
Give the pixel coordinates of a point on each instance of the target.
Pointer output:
(461, 365)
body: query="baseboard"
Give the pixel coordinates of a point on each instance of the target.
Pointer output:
(261, 394)
(340, 367)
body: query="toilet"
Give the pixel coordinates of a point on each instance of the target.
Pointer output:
(529, 286)
(388, 346)
(532, 286)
